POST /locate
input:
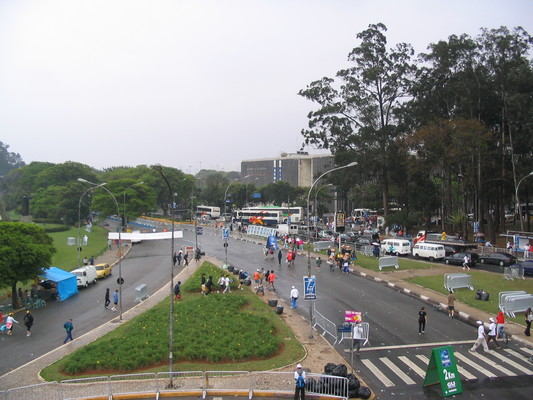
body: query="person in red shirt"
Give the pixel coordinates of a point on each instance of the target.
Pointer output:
(271, 279)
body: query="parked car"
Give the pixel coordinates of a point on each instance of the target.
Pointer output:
(102, 270)
(363, 241)
(527, 265)
(457, 259)
(500, 258)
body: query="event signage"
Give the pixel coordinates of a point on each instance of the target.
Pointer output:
(352, 316)
(442, 368)
(310, 287)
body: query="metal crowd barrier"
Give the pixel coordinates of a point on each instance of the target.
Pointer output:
(457, 281)
(512, 303)
(513, 273)
(388, 261)
(348, 333)
(503, 295)
(321, 245)
(327, 326)
(190, 383)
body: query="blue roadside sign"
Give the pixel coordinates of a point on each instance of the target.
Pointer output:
(310, 287)
(225, 232)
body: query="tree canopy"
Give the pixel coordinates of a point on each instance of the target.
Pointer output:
(25, 249)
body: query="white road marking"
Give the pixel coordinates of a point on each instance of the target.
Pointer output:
(413, 366)
(462, 371)
(409, 346)
(474, 365)
(513, 363)
(375, 370)
(493, 364)
(402, 375)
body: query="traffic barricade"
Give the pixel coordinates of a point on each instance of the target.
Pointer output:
(322, 245)
(457, 281)
(141, 293)
(516, 303)
(513, 272)
(503, 295)
(388, 261)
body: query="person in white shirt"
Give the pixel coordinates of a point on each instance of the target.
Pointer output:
(466, 262)
(492, 333)
(481, 340)
(357, 336)
(227, 282)
(299, 377)
(294, 296)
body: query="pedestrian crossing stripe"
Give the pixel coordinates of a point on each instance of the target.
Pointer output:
(491, 365)
(376, 371)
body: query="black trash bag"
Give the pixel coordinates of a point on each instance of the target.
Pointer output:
(485, 296)
(364, 392)
(340, 370)
(479, 292)
(353, 382)
(328, 368)
(247, 281)
(273, 302)
(235, 271)
(279, 310)
(352, 393)
(230, 268)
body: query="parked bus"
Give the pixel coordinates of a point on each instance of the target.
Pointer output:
(208, 211)
(269, 215)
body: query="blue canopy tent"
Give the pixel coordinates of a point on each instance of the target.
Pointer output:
(66, 282)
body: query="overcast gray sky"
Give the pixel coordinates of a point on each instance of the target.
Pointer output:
(192, 84)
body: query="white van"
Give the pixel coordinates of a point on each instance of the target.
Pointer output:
(400, 247)
(85, 275)
(429, 250)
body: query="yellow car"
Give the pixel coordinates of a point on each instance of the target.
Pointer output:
(103, 270)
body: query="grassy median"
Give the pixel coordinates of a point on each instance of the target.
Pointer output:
(234, 331)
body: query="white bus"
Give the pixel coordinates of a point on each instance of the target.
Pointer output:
(208, 211)
(269, 215)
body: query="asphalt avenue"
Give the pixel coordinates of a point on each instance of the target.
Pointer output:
(393, 365)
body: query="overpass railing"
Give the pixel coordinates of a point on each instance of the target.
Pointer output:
(189, 383)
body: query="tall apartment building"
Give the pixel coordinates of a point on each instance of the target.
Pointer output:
(297, 169)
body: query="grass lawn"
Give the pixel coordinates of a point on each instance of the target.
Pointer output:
(236, 331)
(67, 257)
(493, 283)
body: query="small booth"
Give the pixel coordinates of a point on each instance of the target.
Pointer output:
(61, 283)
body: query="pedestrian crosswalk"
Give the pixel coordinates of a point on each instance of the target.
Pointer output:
(400, 370)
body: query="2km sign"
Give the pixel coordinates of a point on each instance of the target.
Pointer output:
(442, 369)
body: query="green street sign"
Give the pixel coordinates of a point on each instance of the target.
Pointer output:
(442, 368)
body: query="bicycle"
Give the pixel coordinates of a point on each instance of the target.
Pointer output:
(503, 335)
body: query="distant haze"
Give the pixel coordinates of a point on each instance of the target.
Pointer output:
(192, 84)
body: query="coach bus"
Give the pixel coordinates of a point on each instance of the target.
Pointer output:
(269, 215)
(208, 211)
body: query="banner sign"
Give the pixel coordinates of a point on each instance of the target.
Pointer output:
(310, 287)
(442, 369)
(352, 316)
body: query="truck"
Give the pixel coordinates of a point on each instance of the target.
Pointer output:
(285, 229)
(449, 241)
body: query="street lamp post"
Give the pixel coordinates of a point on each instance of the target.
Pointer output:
(225, 221)
(119, 242)
(78, 243)
(518, 201)
(352, 164)
(159, 168)
(125, 222)
(315, 205)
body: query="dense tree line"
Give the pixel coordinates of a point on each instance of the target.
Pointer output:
(446, 133)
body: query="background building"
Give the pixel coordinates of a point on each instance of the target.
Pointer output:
(297, 169)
